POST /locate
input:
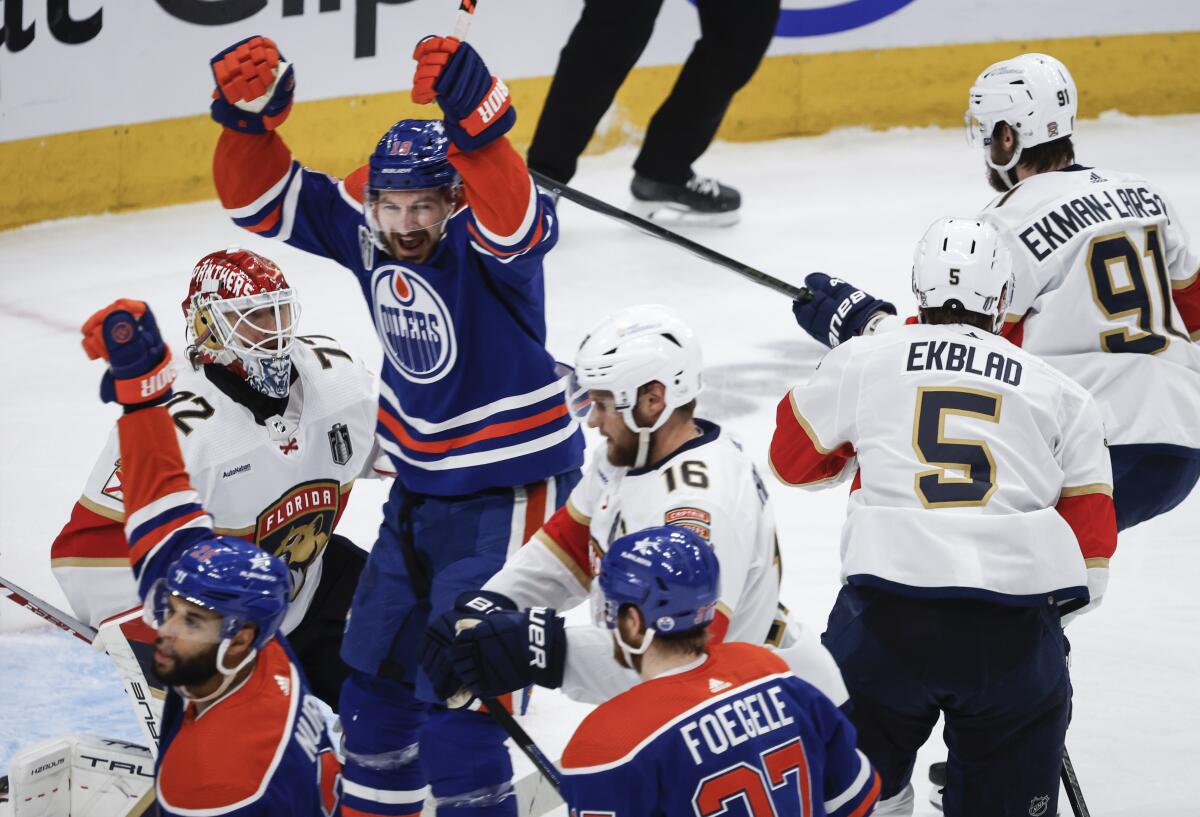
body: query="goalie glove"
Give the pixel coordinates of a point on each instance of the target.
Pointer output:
(477, 105)
(509, 650)
(140, 372)
(254, 86)
(837, 311)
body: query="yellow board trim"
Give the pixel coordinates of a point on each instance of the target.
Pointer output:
(130, 167)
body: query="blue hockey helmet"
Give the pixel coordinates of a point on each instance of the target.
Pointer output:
(235, 579)
(412, 156)
(669, 573)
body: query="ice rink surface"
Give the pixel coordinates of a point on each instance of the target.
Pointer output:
(852, 203)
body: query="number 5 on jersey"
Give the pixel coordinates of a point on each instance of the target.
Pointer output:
(973, 457)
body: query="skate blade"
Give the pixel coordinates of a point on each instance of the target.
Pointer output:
(670, 214)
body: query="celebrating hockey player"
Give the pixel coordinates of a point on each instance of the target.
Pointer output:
(1107, 290)
(445, 232)
(242, 734)
(274, 429)
(710, 722)
(637, 378)
(980, 511)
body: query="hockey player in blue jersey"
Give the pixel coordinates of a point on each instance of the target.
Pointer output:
(445, 232)
(241, 733)
(709, 724)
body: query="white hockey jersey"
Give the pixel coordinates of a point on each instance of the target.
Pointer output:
(979, 470)
(282, 485)
(708, 485)
(1102, 266)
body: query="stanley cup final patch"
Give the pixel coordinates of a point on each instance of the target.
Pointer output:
(339, 443)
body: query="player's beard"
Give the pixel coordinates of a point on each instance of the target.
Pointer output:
(420, 245)
(187, 672)
(996, 180)
(623, 453)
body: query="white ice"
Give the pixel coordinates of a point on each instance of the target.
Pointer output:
(850, 202)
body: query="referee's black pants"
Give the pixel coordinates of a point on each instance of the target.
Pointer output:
(607, 41)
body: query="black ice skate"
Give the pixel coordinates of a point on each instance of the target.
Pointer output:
(700, 201)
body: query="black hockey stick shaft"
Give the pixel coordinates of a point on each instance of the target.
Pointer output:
(658, 231)
(1071, 784)
(65, 622)
(524, 742)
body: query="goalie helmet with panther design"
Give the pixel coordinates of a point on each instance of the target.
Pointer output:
(242, 314)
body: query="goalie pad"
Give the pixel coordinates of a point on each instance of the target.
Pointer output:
(129, 642)
(82, 776)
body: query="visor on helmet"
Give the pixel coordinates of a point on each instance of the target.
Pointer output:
(159, 614)
(579, 397)
(604, 612)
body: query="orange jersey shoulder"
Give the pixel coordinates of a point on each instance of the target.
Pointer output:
(228, 753)
(618, 727)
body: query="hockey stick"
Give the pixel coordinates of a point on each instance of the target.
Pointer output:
(58, 618)
(462, 20)
(658, 231)
(1071, 784)
(524, 742)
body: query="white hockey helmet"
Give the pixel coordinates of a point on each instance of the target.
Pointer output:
(1033, 93)
(963, 264)
(630, 348)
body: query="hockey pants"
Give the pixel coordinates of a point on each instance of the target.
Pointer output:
(398, 736)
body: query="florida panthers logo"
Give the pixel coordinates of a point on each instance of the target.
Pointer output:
(414, 324)
(296, 527)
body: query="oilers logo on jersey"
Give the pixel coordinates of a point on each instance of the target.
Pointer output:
(297, 526)
(414, 324)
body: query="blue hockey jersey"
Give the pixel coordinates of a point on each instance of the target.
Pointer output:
(470, 398)
(734, 726)
(261, 748)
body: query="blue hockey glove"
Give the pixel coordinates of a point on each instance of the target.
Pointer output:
(254, 86)
(838, 310)
(477, 105)
(436, 658)
(125, 334)
(507, 651)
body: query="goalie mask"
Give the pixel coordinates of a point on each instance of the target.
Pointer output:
(630, 348)
(242, 314)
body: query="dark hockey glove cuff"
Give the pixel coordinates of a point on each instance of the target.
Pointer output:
(837, 311)
(507, 651)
